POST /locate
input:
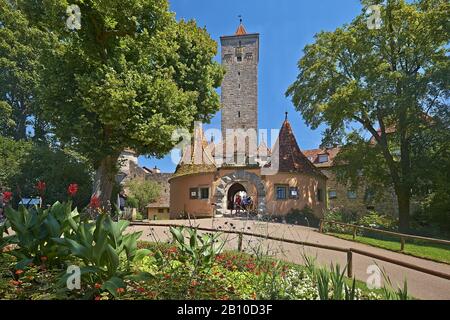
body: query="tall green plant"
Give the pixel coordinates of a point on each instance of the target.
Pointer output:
(201, 250)
(101, 246)
(34, 231)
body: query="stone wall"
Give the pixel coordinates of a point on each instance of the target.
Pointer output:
(240, 84)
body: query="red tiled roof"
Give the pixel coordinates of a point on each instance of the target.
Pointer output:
(313, 156)
(291, 159)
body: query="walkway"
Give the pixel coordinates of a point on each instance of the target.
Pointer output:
(420, 285)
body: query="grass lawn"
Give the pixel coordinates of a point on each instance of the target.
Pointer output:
(436, 252)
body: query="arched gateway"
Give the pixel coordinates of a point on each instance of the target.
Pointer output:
(234, 180)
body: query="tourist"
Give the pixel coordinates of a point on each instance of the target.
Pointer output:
(238, 203)
(122, 200)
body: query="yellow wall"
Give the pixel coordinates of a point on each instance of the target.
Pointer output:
(154, 212)
(180, 201)
(307, 189)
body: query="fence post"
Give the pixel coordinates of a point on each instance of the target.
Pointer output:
(321, 226)
(354, 232)
(402, 241)
(350, 263)
(240, 237)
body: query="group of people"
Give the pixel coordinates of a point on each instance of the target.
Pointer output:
(243, 203)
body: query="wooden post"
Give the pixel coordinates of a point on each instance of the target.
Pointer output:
(350, 264)
(354, 232)
(321, 226)
(240, 237)
(402, 241)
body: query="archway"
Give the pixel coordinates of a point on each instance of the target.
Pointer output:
(243, 178)
(233, 191)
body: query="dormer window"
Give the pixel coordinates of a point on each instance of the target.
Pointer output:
(323, 158)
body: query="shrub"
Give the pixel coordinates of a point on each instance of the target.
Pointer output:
(303, 217)
(132, 203)
(377, 221)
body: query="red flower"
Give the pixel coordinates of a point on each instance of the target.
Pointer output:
(194, 283)
(167, 276)
(95, 202)
(40, 186)
(172, 250)
(7, 196)
(98, 298)
(120, 290)
(72, 189)
(19, 272)
(141, 290)
(44, 258)
(98, 286)
(15, 283)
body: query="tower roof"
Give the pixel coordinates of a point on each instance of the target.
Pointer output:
(291, 158)
(241, 30)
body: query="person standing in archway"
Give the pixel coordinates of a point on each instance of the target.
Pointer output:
(238, 203)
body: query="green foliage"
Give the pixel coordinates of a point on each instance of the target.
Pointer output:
(377, 221)
(19, 76)
(101, 246)
(390, 84)
(132, 75)
(23, 164)
(144, 191)
(12, 156)
(34, 230)
(304, 217)
(200, 250)
(132, 202)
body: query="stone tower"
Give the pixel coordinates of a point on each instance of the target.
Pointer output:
(240, 57)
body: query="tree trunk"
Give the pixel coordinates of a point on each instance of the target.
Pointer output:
(104, 180)
(403, 200)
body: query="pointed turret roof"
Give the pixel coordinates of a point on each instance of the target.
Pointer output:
(241, 30)
(291, 158)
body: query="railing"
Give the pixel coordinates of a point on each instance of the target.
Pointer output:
(402, 236)
(348, 251)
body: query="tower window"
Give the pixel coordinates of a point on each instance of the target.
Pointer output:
(239, 73)
(239, 59)
(239, 85)
(239, 114)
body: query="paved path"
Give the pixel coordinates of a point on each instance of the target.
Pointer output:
(420, 285)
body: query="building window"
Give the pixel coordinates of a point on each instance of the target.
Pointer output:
(249, 56)
(239, 59)
(332, 194)
(323, 158)
(320, 195)
(351, 194)
(204, 193)
(160, 210)
(239, 73)
(293, 193)
(239, 114)
(281, 192)
(193, 193)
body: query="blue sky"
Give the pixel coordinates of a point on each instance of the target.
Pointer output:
(285, 27)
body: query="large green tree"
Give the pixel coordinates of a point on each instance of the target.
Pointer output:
(127, 78)
(19, 73)
(392, 82)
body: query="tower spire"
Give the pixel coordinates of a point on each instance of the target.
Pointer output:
(241, 29)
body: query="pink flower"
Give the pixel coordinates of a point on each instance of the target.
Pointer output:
(72, 189)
